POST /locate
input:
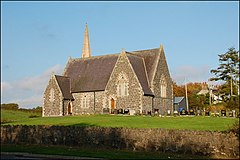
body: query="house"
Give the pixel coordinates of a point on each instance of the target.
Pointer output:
(212, 90)
(137, 81)
(179, 103)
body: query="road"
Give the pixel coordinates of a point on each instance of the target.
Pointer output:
(17, 155)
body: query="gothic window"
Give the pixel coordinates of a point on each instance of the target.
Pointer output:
(122, 85)
(163, 87)
(85, 103)
(51, 97)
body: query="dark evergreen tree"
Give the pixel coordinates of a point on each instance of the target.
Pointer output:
(228, 71)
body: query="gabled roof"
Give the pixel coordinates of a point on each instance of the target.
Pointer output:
(64, 85)
(140, 71)
(150, 57)
(178, 99)
(93, 73)
(90, 74)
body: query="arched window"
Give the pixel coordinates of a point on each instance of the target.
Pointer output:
(163, 86)
(51, 96)
(85, 103)
(122, 85)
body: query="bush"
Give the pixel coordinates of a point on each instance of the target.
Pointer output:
(4, 121)
(33, 116)
(235, 128)
(10, 106)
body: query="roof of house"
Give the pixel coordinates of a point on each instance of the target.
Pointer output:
(177, 99)
(93, 73)
(64, 84)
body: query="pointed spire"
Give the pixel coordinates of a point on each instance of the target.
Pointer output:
(123, 51)
(86, 52)
(161, 48)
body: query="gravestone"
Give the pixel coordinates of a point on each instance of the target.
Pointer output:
(168, 112)
(183, 112)
(216, 113)
(230, 114)
(126, 111)
(191, 112)
(234, 113)
(199, 112)
(115, 111)
(149, 113)
(132, 112)
(175, 113)
(223, 113)
(120, 111)
(105, 110)
(207, 113)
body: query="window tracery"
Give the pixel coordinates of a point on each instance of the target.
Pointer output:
(122, 85)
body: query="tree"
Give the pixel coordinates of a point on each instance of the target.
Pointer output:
(228, 70)
(10, 106)
(195, 101)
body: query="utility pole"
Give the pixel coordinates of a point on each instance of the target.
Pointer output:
(186, 94)
(210, 87)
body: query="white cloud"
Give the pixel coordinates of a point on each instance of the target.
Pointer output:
(5, 85)
(191, 74)
(28, 91)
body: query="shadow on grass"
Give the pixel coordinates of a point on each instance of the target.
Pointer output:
(87, 135)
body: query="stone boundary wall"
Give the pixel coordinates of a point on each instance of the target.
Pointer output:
(164, 140)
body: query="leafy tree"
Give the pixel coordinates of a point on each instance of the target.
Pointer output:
(228, 70)
(195, 101)
(10, 106)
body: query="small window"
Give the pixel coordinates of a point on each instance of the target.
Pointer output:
(122, 86)
(163, 87)
(51, 97)
(85, 103)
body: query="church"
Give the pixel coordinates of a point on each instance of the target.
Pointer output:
(132, 82)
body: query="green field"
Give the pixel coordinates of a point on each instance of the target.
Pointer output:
(98, 153)
(189, 123)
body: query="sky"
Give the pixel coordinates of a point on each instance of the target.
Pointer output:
(37, 38)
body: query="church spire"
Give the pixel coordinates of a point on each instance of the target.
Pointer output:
(86, 52)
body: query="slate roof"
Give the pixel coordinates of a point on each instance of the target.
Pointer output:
(150, 57)
(177, 99)
(93, 73)
(64, 84)
(140, 70)
(90, 74)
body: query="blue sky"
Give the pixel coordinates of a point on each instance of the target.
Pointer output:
(39, 37)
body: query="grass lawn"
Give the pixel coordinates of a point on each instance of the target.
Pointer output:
(190, 123)
(97, 153)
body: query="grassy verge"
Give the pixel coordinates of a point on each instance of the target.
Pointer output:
(189, 123)
(97, 153)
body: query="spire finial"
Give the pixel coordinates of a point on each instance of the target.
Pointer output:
(123, 50)
(86, 52)
(161, 48)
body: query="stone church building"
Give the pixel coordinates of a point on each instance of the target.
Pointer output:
(137, 82)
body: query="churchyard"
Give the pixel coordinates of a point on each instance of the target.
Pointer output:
(210, 123)
(120, 136)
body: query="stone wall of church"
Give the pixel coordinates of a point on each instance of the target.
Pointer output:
(99, 101)
(83, 103)
(87, 103)
(162, 103)
(65, 107)
(133, 100)
(52, 99)
(147, 104)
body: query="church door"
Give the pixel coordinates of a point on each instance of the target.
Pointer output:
(69, 109)
(112, 105)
